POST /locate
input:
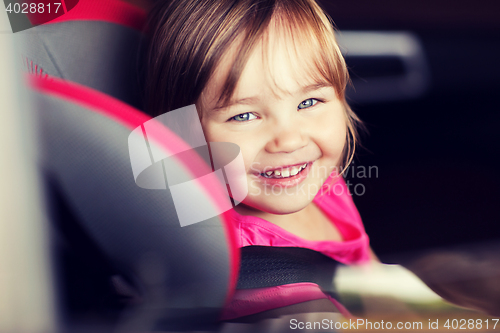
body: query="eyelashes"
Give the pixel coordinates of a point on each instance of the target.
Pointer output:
(307, 103)
(247, 116)
(243, 117)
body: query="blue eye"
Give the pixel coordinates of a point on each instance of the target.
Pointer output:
(307, 103)
(244, 117)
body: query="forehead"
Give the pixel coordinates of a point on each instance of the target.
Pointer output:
(288, 59)
(284, 59)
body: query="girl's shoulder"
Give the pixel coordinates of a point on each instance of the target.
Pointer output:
(336, 202)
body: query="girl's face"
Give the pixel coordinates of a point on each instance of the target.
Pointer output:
(291, 129)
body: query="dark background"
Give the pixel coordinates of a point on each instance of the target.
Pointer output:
(437, 155)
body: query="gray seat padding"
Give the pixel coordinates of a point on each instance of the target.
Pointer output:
(181, 274)
(100, 55)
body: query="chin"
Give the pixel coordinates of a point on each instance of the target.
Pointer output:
(279, 206)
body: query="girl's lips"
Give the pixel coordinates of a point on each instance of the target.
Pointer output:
(287, 181)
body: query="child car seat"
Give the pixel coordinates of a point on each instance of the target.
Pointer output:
(96, 44)
(123, 256)
(111, 231)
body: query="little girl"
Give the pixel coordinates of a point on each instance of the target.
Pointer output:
(268, 76)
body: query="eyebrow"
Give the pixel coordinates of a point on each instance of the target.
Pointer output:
(242, 101)
(254, 99)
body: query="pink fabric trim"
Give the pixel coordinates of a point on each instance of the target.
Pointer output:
(132, 118)
(113, 11)
(64, 6)
(250, 301)
(342, 309)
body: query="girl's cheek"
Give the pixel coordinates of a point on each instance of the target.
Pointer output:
(212, 133)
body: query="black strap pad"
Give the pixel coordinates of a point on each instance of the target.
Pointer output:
(269, 266)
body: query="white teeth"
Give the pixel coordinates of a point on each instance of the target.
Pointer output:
(285, 173)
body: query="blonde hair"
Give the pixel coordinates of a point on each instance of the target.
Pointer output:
(189, 37)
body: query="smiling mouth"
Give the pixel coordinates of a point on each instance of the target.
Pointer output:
(284, 172)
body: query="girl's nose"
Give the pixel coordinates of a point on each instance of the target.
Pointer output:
(287, 137)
